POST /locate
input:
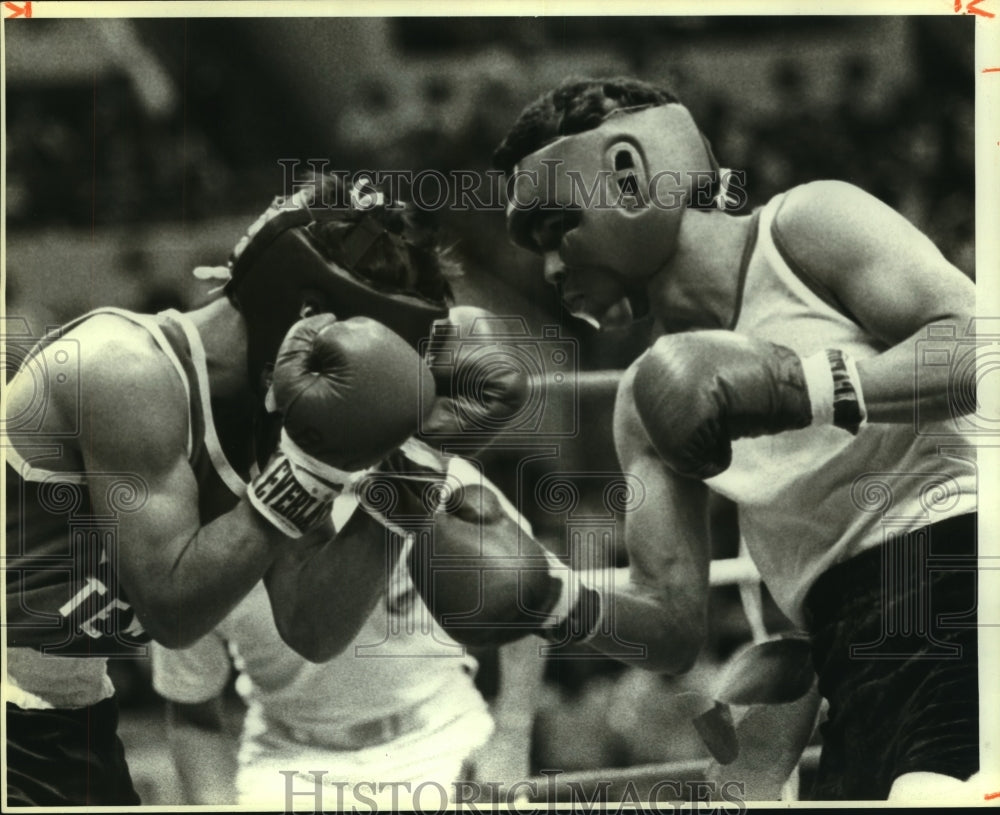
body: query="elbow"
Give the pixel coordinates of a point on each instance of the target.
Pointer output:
(315, 651)
(679, 650)
(690, 639)
(673, 632)
(173, 638)
(312, 643)
(166, 625)
(686, 655)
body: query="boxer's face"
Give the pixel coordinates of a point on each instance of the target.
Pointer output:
(590, 292)
(609, 201)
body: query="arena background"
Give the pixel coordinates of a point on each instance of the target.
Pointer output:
(137, 150)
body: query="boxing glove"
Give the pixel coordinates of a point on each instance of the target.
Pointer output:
(697, 392)
(349, 392)
(482, 575)
(488, 585)
(480, 387)
(472, 556)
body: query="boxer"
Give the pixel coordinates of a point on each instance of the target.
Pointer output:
(183, 457)
(783, 374)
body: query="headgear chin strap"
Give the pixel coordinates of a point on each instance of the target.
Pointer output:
(281, 273)
(627, 182)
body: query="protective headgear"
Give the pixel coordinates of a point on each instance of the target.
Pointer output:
(623, 187)
(281, 272)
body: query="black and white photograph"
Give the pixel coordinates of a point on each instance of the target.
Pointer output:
(456, 408)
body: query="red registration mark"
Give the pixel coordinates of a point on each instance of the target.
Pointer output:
(17, 10)
(972, 7)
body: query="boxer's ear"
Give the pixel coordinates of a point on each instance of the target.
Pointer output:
(630, 175)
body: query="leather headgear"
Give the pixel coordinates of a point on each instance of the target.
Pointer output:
(281, 272)
(623, 186)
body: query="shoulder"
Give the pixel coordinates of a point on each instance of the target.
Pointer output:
(832, 227)
(128, 385)
(119, 357)
(827, 207)
(106, 364)
(112, 346)
(824, 196)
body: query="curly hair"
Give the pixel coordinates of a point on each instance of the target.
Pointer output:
(575, 106)
(399, 248)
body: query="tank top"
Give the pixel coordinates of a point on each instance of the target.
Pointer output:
(66, 612)
(810, 498)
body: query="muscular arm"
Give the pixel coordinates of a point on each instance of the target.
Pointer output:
(664, 603)
(891, 279)
(325, 585)
(181, 577)
(492, 574)
(505, 758)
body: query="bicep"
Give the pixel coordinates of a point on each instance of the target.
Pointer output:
(661, 600)
(666, 530)
(889, 276)
(666, 535)
(134, 451)
(155, 509)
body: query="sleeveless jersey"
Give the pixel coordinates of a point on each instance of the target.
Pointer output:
(63, 596)
(810, 498)
(399, 658)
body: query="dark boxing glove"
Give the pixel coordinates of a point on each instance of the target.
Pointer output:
(471, 555)
(480, 386)
(697, 392)
(482, 574)
(349, 392)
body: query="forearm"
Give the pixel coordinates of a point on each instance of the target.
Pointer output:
(668, 630)
(918, 376)
(323, 591)
(660, 602)
(209, 572)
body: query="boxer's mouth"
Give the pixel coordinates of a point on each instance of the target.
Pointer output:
(600, 316)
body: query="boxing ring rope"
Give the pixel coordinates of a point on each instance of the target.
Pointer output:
(589, 382)
(740, 571)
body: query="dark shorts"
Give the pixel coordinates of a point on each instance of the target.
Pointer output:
(895, 647)
(67, 758)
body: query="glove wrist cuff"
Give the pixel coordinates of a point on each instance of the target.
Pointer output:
(334, 475)
(296, 491)
(291, 498)
(577, 612)
(834, 390)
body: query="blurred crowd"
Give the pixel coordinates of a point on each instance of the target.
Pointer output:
(86, 150)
